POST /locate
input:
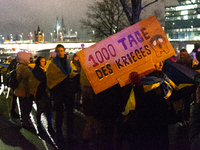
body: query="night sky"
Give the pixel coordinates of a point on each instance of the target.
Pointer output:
(24, 16)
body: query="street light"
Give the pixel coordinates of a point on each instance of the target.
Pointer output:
(11, 37)
(22, 36)
(3, 39)
(76, 34)
(93, 34)
(51, 36)
(43, 37)
(58, 27)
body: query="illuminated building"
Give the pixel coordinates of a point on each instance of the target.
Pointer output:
(39, 36)
(182, 25)
(62, 34)
(182, 21)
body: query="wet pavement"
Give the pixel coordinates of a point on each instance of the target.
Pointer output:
(14, 137)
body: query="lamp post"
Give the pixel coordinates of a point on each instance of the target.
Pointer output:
(76, 34)
(51, 36)
(43, 37)
(22, 36)
(3, 40)
(31, 36)
(11, 37)
(93, 34)
(58, 27)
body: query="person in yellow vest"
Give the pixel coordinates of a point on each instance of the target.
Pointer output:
(58, 75)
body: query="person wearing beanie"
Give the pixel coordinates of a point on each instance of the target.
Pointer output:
(22, 91)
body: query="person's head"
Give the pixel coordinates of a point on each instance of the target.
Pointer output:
(9, 58)
(60, 51)
(23, 57)
(34, 58)
(184, 54)
(196, 47)
(31, 60)
(40, 61)
(6, 59)
(75, 57)
(184, 58)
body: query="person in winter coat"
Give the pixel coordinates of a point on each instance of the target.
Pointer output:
(13, 113)
(61, 88)
(194, 132)
(150, 119)
(42, 100)
(23, 91)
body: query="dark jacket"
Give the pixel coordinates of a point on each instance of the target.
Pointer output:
(12, 65)
(195, 128)
(149, 121)
(41, 76)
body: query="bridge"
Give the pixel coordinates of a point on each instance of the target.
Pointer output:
(34, 47)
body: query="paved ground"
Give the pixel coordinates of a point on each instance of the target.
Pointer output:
(13, 137)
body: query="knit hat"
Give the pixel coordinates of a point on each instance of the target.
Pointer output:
(23, 56)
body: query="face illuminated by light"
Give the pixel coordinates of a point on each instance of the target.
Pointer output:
(60, 52)
(42, 62)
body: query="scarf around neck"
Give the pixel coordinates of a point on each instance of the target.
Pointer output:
(67, 68)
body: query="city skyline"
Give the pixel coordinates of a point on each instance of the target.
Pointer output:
(21, 16)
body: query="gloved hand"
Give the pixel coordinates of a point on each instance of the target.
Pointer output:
(135, 78)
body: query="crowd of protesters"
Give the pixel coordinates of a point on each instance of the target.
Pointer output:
(138, 113)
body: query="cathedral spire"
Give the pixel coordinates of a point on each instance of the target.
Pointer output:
(63, 26)
(57, 23)
(38, 30)
(62, 23)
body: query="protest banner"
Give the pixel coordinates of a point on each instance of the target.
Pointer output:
(136, 48)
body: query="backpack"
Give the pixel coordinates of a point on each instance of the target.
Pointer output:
(12, 79)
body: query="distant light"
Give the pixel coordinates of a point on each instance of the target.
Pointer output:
(185, 12)
(186, 7)
(185, 17)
